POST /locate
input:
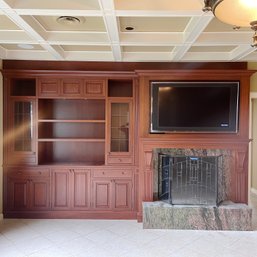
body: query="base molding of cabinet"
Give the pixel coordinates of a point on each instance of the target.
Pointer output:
(71, 215)
(140, 217)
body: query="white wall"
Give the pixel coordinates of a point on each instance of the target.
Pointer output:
(254, 146)
(1, 143)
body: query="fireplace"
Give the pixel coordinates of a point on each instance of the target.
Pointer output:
(189, 180)
(192, 189)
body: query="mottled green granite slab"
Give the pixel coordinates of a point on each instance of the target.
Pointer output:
(227, 216)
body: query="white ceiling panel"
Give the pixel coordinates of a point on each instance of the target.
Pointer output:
(119, 30)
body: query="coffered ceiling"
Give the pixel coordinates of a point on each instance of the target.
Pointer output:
(118, 30)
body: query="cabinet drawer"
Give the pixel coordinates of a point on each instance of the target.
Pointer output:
(29, 172)
(112, 173)
(120, 160)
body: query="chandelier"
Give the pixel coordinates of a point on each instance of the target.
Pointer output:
(239, 13)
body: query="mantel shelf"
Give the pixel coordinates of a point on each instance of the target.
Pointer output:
(70, 121)
(71, 140)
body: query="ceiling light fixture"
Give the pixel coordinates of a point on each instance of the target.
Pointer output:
(239, 13)
(70, 20)
(129, 28)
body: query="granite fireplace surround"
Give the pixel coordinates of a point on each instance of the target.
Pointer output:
(225, 216)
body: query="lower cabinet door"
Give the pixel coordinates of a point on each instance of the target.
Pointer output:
(81, 189)
(102, 194)
(70, 189)
(17, 194)
(61, 199)
(40, 194)
(112, 194)
(122, 194)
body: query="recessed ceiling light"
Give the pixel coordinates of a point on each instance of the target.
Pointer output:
(25, 46)
(129, 28)
(70, 20)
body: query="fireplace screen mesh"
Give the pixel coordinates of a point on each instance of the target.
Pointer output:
(188, 179)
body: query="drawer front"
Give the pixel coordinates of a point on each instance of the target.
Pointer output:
(29, 172)
(120, 160)
(112, 173)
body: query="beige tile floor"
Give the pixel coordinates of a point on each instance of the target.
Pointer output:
(119, 238)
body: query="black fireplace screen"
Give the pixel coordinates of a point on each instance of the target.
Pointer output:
(188, 179)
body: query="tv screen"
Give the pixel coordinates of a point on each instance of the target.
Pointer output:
(194, 106)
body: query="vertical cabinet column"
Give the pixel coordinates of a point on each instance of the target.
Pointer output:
(120, 147)
(20, 132)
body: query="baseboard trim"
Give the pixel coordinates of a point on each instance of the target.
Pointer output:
(254, 191)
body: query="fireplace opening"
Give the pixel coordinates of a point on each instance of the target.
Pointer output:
(188, 180)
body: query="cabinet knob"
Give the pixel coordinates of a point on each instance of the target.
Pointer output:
(122, 172)
(103, 172)
(120, 160)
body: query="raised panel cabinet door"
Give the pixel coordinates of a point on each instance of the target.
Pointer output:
(61, 189)
(81, 189)
(122, 194)
(49, 87)
(39, 194)
(102, 194)
(71, 87)
(17, 194)
(95, 88)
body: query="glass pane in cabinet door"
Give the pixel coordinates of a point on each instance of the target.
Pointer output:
(23, 126)
(120, 127)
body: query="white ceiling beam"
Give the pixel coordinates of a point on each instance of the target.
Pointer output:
(156, 13)
(206, 56)
(241, 51)
(110, 20)
(195, 27)
(3, 53)
(59, 12)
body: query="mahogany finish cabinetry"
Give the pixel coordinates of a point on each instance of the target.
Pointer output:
(21, 120)
(27, 189)
(70, 188)
(65, 134)
(112, 190)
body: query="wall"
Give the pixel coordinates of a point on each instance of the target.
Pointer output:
(253, 66)
(253, 165)
(254, 146)
(1, 143)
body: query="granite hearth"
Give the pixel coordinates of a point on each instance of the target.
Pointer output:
(227, 216)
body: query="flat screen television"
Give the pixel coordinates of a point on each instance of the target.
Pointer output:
(194, 106)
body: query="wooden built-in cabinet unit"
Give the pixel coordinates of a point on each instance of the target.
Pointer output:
(77, 141)
(68, 140)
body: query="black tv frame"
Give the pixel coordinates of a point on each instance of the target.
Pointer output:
(233, 112)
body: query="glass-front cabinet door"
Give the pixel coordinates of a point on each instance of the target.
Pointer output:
(120, 131)
(20, 136)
